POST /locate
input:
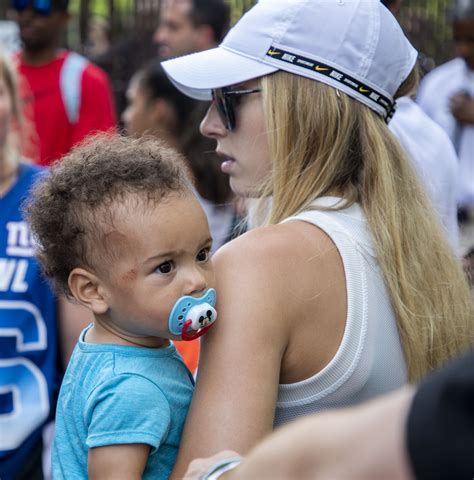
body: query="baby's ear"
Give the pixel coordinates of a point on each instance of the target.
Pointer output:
(87, 290)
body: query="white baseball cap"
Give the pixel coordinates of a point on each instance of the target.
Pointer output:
(356, 46)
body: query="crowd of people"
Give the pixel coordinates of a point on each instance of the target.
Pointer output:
(267, 234)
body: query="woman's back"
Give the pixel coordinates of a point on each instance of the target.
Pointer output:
(369, 360)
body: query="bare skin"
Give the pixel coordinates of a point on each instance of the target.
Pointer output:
(462, 108)
(290, 285)
(334, 445)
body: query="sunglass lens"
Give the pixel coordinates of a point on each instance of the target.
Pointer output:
(19, 5)
(42, 7)
(224, 108)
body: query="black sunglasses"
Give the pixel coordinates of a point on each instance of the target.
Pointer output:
(226, 101)
(41, 7)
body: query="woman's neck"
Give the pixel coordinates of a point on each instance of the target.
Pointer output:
(8, 171)
(167, 137)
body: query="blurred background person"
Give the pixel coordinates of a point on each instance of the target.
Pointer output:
(67, 96)
(188, 26)
(98, 39)
(37, 330)
(157, 108)
(447, 95)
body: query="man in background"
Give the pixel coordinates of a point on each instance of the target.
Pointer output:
(65, 96)
(188, 26)
(447, 96)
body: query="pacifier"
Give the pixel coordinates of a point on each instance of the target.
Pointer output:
(192, 317)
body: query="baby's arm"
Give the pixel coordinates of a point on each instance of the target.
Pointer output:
(116, 462)
(128, 417)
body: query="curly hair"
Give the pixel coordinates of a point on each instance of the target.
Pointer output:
(71, 208)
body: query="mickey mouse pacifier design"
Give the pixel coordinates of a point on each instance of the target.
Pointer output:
(192, 317)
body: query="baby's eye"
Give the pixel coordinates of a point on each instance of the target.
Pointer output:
(203, 255)
(165, 267)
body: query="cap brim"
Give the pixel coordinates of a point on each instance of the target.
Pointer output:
(197, 74)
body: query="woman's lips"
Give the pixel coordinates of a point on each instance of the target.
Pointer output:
(227, 165)
(228, 162)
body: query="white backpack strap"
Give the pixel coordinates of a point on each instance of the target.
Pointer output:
(70, 83)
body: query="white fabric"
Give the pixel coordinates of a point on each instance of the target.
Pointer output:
(357, 38)
(70, 80)
(434, 95)
(369, 361)
(434, 158)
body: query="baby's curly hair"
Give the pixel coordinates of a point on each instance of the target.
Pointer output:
(71, 205)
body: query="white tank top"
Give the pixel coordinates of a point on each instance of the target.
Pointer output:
(370, 360)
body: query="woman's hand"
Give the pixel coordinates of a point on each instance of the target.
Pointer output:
(199, 467)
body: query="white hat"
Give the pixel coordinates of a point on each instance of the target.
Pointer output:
(356, 46)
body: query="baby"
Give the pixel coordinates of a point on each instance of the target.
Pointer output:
(119, 229)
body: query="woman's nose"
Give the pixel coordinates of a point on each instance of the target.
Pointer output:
(211, 125)
(126, 117)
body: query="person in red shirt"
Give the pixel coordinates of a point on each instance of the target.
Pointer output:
(65, 96)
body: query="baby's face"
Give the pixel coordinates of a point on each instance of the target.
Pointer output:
(162, 254)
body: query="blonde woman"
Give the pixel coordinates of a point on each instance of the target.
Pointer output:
(37, 331)
(347, 289)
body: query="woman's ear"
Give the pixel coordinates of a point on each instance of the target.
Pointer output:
(87, 290)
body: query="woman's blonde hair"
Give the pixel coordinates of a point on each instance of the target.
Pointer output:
(323, 142)
(10, 155)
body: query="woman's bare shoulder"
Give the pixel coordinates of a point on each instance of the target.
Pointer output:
(273, 247)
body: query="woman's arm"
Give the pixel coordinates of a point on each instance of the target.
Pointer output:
(336, 444)
(234, 401)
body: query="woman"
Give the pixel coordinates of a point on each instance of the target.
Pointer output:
(348, 289)
(157, 108)
(35, 335)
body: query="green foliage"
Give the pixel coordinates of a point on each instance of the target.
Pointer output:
(101, 8)
(426, 22)
(238, 8)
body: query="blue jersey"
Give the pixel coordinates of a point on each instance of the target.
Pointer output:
(28, 334)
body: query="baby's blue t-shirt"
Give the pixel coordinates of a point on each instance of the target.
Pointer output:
(112, 394)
